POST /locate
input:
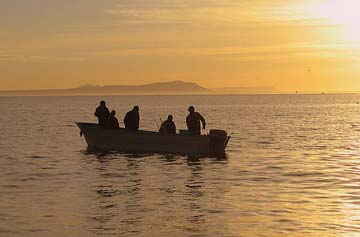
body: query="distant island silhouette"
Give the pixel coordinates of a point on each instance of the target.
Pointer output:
(158, 88)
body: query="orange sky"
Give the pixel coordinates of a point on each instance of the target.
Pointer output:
(308, 45)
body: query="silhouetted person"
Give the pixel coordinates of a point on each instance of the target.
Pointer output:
(193, 121)
(112, 122)
(132, 119)
(102, 113)
(168, 126)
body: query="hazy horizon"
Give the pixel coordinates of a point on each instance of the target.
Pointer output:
(160, 88)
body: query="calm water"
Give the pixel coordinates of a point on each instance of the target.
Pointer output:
(292, 169)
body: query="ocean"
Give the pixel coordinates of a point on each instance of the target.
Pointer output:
(291, 169)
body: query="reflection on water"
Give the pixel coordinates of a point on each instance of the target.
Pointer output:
(124, 202)
(292, 169)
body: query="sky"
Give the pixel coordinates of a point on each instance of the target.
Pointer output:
(292, 45)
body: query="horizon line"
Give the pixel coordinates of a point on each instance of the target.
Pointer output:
(184, 94)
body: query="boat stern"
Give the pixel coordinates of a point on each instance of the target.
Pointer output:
(218, 141)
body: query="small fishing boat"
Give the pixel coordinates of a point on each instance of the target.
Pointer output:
(153, 142)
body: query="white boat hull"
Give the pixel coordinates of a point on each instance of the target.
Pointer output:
(150, 142)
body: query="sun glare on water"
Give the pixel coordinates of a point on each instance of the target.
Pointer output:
(343, 13)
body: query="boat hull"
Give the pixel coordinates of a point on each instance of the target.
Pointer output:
(150, 142)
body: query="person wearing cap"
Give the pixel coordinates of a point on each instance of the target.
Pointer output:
(132, 119)
(102, 113)
(193, 121)
(168, 126)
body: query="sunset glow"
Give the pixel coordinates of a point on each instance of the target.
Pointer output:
(341, 13)
(311, 45)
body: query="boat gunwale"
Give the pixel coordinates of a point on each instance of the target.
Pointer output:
(140, 132)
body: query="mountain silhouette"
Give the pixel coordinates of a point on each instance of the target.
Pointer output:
(161, 88)
(173, 87)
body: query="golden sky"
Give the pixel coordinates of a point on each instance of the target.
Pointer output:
(304, 45)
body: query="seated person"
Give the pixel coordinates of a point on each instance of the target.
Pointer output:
(168, 126)
(112, 122)
(132, 119)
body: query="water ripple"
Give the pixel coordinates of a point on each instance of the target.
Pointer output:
(291, 169)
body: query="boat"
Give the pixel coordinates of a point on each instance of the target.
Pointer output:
(141, 141)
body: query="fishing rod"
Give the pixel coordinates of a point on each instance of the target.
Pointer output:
(157, 122)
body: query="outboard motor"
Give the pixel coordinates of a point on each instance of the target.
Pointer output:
(218, 140)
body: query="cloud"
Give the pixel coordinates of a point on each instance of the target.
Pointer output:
(38, 58)
(187, 12)
(280, 52)
(7, 57)
(214, 12)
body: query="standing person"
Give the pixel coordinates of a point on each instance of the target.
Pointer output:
(168, 126)
(132, 119)
(102, 113)
(193, 121)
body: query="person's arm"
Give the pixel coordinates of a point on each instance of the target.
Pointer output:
(138, 120)
(188, 122)
(202, 119)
